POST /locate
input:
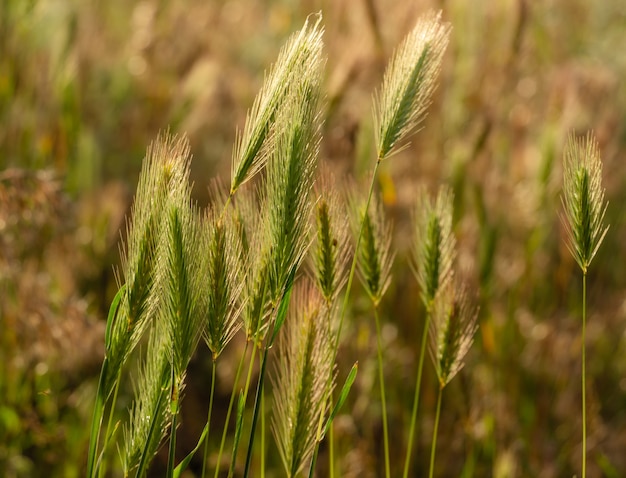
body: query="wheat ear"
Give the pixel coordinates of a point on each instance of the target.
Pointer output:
(584, 209)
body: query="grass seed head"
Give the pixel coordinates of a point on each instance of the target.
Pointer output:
(409, 82)
(451, 331)
(583, 199)
(434, 251)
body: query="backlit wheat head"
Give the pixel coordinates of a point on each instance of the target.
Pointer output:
(409, 82)
(451, 331)
(434, 251)
(583, 199)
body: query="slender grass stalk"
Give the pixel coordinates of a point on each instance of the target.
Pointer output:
(434, 256)
(208, 420)
(433, 444)
(583, 377)
(262, 435)
(381, 381)
(584, 209)
(230, 408)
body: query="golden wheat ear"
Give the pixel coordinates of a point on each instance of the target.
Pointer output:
(409, 81)
(583, 200)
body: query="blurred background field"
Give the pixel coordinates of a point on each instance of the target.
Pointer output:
(86, 85)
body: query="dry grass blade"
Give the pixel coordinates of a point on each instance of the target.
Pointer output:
(409, 82)
(583, 199)
(302, 379)
(451, 331)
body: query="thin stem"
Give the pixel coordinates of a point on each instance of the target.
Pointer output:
(381, 381)
(208, 420)
(255, 413)
(346, 299)
(262, 434)
(584, 381)
(101, 467)
(416, 397)
(354, 259)
(96, 421)
(435, 429)
(331, 451)
(174, 410)
(230, 409)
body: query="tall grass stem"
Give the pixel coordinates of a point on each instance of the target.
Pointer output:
(433, 445)
(230, 408)
(381, 381)
(416, 397)
(584, 380)
(208, 420)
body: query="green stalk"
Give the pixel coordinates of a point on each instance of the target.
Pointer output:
(331, 451)
(107, 435)
(584, 382)
(354, 259)
(435, 429)
(96, 421)
(416, 397)
(208, 420)
(174, 410)
(381, 381)
(144, 462)
(262, 434)
(255, 413)
(230, 409)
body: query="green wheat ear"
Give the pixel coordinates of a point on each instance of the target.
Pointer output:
(331, 248)
(223, 281)
(149, 413)
(374, 255)
(434, 252)
(295, 61)
(165, 168)
(302, 378)
(451, 331)
(583, 199)
(409, 82)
